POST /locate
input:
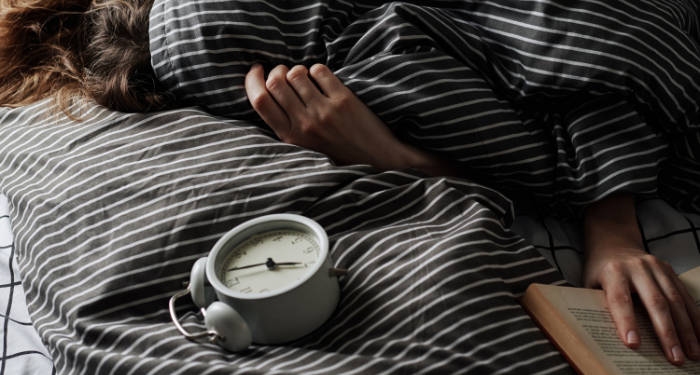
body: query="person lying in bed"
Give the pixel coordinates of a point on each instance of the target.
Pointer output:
(456, 90)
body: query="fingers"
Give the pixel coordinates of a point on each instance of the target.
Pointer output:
(288, 100)
(279, 88)
(659, 312)
(692, 348)
(298, 78)
(264, 104)
(676, 304)
(327, 81)
(619, 297)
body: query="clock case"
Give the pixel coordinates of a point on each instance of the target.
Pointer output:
(276, 317)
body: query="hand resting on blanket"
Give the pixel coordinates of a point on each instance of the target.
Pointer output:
(334, 121)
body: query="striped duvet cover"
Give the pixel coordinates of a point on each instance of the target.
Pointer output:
(562, 101)
(109, 215)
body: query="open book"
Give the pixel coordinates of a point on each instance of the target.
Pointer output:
(579, 324)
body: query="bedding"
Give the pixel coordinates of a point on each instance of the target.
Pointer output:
(104, 334)
(564, 102)
(670, 235)
(109, 215)
(23, 353)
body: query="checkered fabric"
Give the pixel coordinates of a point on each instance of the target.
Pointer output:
(22, 349)
(669, 235)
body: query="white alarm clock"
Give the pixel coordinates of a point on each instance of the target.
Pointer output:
(274, 281)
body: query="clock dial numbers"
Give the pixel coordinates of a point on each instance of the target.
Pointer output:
(269, 261)
(231, 282)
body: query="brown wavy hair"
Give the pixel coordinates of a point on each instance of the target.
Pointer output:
(74, 50)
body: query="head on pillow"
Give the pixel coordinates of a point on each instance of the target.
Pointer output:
(69, 50)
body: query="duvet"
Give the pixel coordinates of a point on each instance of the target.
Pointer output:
(109, 215)
(564, 102)
(561, 101)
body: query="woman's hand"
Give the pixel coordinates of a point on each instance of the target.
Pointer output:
(617, 263)
(333, 120)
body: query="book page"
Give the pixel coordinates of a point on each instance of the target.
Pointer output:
(587, 313)
(647, 359)
(691, 280)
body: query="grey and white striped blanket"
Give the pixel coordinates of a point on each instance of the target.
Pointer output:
(564, 101)
(669, 235)
(109, 215)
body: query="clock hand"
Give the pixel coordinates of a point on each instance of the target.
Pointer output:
(270, 265)
(250, 266)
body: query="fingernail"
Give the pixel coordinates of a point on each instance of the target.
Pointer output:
(632, 337)
(255, 66)
(678, 355)
(694, 348)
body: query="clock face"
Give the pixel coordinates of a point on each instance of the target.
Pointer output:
(269, 261)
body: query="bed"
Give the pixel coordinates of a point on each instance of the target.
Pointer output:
(23, 351)
(109, 214)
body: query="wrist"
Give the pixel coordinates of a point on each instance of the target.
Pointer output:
(432, 163)
(404, 155)
(392, 156)
(610, 224)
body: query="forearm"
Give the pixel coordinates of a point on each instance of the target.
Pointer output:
(432, 163)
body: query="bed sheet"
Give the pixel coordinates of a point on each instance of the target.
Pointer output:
(23, 353)
(668, 234)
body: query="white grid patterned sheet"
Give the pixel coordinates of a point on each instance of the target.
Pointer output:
(22, 349)
(667, 234)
